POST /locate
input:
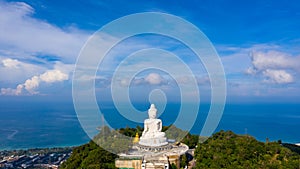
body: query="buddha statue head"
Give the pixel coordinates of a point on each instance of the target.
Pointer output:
(152, 112)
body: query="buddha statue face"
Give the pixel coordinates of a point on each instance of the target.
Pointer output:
(152, 112)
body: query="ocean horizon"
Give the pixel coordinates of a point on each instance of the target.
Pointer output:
(55, 124)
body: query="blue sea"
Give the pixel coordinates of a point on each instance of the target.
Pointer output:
(24, 124)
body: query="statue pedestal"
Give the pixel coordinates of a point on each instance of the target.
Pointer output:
(153, 142)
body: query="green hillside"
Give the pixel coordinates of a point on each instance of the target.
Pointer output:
(222, 150)
(228, 150)
(90, 156)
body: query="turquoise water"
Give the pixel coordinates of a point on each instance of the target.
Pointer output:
(44, 124)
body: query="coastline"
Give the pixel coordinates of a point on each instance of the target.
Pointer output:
(73, 146)
(39, 148)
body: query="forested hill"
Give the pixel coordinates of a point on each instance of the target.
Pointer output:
(90, 156)
(228, 150)
(223, 150)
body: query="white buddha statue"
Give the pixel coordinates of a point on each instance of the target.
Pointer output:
(152, 134)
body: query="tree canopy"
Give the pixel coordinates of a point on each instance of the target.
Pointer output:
(229, 150)
(224, 149)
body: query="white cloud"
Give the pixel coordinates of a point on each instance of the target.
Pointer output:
(251, 71)
(149, 79)
(275, 67)
(274, 70)
(10, 91)
(27, 37)
(273, 59)
(53, 76)
(31, 84)
(11, 63)
(19, 89)
(124, 82)
(22, 32)
(23, 38)
(14, 71)
(154, 79)
(262, 56)
(278, 76)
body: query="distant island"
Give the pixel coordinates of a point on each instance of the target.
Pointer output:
(224, 149)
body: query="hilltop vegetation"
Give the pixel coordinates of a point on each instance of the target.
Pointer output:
(90, 156)
(222, 150)
(228, 150)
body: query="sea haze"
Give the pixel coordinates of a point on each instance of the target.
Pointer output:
(50, 124)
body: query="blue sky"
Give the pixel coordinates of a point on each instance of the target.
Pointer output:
(258, 43)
